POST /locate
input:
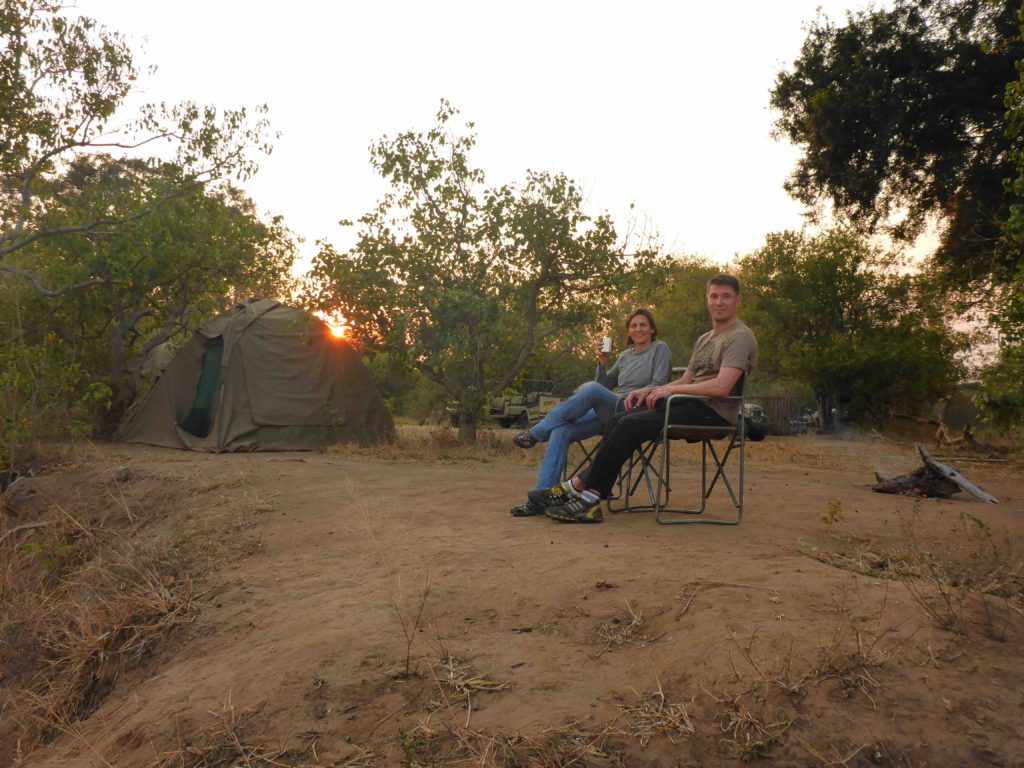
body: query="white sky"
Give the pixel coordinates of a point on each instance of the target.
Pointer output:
(662, 104)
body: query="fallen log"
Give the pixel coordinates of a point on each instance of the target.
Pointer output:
(934, 480)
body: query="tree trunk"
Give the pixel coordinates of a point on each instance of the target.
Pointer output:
(123, 390)
(467, 428)
(826, 421)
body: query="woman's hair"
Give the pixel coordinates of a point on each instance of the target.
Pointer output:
(643, 312)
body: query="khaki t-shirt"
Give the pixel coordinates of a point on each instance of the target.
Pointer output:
(735, 347)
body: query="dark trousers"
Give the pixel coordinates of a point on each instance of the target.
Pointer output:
(628, 430)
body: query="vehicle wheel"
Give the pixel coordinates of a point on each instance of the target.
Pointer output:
(523, 420)
(455, 420)
(505, 423)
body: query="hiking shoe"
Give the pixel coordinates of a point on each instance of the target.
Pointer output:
(576, 510)
(524, 439)
(554, 496)
(527, 509)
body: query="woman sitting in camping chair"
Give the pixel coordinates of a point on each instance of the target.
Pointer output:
(647, 362)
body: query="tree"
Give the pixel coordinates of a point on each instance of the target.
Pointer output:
(1001, 400)
(829, 312)
(680, 305)
(900, 117)
(62, 81)
(463, 282)
(198, 253)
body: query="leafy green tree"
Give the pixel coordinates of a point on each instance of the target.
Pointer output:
(461, 281)
(62, 80)
(1002, 401)
(829, 312)
(198, 253)
(900, 117)
(680, 305)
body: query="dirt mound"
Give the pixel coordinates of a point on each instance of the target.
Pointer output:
(352, 609)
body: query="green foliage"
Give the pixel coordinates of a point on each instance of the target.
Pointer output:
(833, 514)
(39, 386)
(101, 259)
(62, 80)
(1001, 401)
(900, 117)
(831, 313)
(198, 253)
(463, 282)
(680, 305)
(1002, 398)
(1013, 228)
(51, 559)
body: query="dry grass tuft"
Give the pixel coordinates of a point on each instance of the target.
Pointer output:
(456, 676)
(363, 758)
(89, 587)
(653, 715)
(847, 655)
(561, 746)
(95, 603)
(819, 453)
(750, 735)
(200, 484)
(851, 662)
(223, 744)
(440, 445)
(757, 716)
(628, 630)
(967, 576)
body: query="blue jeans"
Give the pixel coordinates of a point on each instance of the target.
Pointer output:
(581, 416)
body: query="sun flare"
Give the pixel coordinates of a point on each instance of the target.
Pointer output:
(339, 328)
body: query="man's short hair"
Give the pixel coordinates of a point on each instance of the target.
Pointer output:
(727, 280)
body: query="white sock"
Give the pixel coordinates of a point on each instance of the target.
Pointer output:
(589, 496)
(570, 488)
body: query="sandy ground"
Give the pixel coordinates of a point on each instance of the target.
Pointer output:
(325, 577)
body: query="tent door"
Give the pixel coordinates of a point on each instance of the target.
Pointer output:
(200, 416)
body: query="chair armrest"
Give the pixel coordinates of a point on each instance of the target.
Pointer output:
(670, 398)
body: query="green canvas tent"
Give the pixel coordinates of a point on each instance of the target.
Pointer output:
(261, 377)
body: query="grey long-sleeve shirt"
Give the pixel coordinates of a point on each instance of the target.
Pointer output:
(652, 367)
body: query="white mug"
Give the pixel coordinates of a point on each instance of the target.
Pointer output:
(606, 344)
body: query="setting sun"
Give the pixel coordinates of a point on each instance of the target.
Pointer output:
(337, 324)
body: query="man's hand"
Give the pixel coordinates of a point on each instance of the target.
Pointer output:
(659, 393)
(637, 396)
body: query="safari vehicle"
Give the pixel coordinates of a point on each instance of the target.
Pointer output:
(754, 414)
(530, 404)
(534, 401)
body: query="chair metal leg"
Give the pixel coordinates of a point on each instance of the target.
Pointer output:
(639, 470)
(644, 467)
(705, 488)
(588, 454)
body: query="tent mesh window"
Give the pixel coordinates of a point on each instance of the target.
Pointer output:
(200, 416)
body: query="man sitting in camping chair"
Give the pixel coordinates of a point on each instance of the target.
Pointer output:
(721, 357)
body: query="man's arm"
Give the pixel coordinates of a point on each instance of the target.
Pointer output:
(720, 386)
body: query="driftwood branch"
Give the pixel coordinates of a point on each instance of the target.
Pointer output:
(933, 480)
(951, 474)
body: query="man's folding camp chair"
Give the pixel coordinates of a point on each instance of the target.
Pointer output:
(654, 470)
